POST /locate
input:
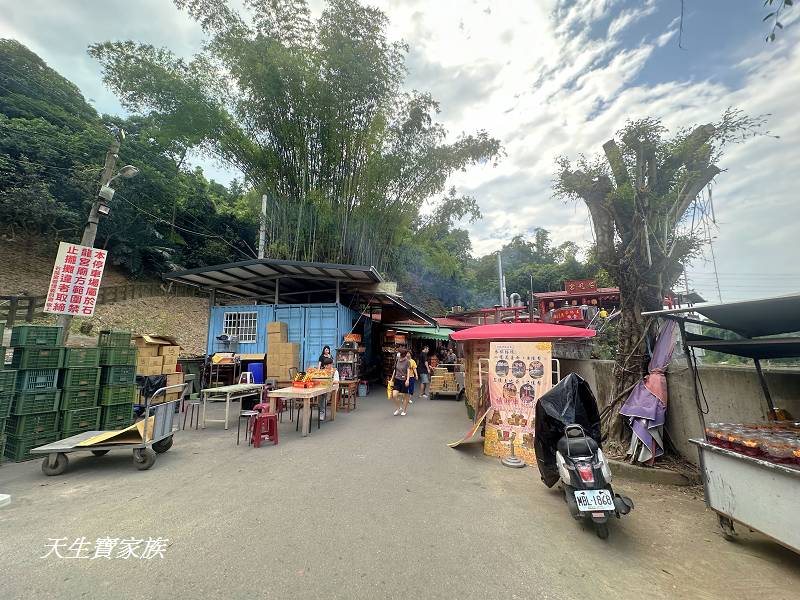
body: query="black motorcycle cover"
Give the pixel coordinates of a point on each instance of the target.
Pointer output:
(568, 403)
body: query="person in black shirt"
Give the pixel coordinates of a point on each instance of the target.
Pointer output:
(424, 371)
(325, 359)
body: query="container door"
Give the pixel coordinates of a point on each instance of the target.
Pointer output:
(295, 316)
(321, 329)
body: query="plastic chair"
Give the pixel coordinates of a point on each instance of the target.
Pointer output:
(245, 414)
(192, 406)
(264, 426)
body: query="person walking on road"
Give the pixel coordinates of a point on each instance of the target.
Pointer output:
(412, 376)
(424, 371)
(400, 377)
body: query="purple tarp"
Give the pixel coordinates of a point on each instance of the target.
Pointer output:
(646, 407)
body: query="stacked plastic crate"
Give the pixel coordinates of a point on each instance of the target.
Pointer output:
(79, 381)
(34, 421)
(117, 379)
(8, 381)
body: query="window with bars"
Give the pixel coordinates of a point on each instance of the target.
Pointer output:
(244, 325)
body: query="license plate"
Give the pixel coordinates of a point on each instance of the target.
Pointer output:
(589, 500)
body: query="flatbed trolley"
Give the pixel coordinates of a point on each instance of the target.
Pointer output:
(144, 453)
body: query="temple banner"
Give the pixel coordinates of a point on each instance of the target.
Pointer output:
(519, 373)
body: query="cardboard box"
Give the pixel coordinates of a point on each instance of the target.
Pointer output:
(169, 367)
(174, 379)
(150, 346)
(277, 327)
(149, 365)
(170, 353)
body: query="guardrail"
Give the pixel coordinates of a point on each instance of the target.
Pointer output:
(14, 309)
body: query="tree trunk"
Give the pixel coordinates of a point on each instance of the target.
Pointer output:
(640, 291)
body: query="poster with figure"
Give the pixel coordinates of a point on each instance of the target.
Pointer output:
(519, 373)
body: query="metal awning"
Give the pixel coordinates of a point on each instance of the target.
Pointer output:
(262, 277)
(398, 309)
(428, 333)
(289, 281)
(749, 318)
(767, 348)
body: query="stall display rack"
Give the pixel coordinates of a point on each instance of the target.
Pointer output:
(742, 489)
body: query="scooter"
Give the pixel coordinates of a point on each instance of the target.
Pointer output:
(586, 480)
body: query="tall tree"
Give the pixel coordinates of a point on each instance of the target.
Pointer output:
(311, 111)
(639, 195)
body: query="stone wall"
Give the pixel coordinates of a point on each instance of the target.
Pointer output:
(732, 395)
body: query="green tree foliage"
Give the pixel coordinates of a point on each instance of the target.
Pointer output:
(312, 112)
(641, 197)
(52, 147)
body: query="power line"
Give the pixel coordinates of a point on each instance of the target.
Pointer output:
(184, 229)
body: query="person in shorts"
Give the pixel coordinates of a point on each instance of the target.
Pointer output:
(400, 376)
(412, 379)
(424, 371)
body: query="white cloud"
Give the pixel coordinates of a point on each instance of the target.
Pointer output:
(547, 78)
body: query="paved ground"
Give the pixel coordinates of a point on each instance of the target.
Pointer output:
(370, 506)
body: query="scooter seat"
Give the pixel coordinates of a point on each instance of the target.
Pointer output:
(582, 446)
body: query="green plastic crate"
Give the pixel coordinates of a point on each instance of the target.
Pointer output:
(19, 448)
(114, 338)
(6, 400)
(8, 381)
(37, 358)
(118, 375)
(26, 403)
(111, 356)
(116, 416)
(78, 398)
(36, 379)
(36, 335)
(81, 357)
(27, 425)
(83, 418)
(82, 377)
(117, 394)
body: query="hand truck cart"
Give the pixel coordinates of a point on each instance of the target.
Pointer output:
(144, 452)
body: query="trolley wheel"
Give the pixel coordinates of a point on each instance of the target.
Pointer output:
(100, 452)
(143, 458)
(58, 467)
(601, 529)
(162, 446)
(726, 524)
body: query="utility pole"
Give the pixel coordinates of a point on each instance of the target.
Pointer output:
(262, 231)
(90, 231)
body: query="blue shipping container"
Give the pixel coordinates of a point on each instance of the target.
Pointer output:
(311, 325)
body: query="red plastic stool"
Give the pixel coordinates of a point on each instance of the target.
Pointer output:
(265, 426)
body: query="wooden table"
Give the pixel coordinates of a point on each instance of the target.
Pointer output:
(228, 393)
(304, 394)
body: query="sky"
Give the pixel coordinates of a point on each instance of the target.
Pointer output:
(548, 78)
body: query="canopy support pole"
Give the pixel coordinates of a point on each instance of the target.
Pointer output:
(277, 290)
(763, 381)
(692, 368)
(338, 298)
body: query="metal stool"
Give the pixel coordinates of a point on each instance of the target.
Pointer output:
(189, 410)
(245, 414)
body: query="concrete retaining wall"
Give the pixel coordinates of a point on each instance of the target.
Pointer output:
(733, 395)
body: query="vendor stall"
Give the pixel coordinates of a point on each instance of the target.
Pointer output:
(514, 363)
(750, 471)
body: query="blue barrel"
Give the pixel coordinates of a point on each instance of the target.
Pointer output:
(257, 369)
(363, 389)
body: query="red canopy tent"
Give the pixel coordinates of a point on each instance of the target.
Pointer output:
(521, 331)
